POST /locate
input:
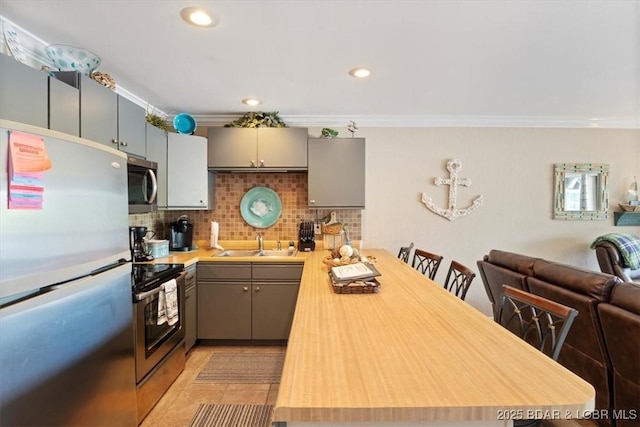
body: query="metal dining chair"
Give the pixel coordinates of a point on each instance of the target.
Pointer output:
(459, 278)
(405, 252)
(539, 321)
(426, 263)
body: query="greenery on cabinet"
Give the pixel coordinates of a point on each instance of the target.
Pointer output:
(258, 119)
(156, 119)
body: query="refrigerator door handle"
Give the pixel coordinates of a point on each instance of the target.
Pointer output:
(154, 186)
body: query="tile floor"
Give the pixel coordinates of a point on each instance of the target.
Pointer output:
(179, 404)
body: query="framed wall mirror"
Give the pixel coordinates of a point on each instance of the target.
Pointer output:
(581, 191)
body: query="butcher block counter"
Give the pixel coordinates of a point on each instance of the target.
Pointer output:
(412, 353)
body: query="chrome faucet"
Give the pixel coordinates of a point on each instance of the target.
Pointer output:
(260, 242)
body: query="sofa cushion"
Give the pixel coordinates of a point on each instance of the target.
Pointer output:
(519, 263)
(627, 296)
(585, 282)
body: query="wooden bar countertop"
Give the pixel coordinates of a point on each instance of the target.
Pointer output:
(412, 352)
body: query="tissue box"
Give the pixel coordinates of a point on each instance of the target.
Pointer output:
(158, 248)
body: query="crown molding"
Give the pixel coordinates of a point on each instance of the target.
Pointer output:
(437, 121)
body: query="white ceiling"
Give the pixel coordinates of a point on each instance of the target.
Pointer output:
(459, 63)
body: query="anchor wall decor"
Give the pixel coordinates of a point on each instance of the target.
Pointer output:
(452, 213)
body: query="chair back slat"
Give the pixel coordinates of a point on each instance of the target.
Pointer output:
(426, 262)
(537, 320)
(459, 278)
(405, 252)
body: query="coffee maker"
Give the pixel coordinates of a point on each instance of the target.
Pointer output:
(137, 244)
(180, 234)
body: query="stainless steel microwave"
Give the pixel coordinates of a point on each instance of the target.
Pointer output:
(143, 185)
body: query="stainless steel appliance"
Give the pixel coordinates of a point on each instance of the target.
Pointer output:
(66, 341)
(159, 348)
(180, 234)
(138, 244)
(143, 185)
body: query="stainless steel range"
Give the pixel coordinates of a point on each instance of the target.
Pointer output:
(159, 347)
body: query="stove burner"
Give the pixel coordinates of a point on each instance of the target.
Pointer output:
(145, 277)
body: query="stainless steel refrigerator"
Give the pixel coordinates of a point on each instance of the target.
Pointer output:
(66, 333)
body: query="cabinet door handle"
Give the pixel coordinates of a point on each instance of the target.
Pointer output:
(115, 141)
(262, 163)
(123, 143)
(312, 202)
(246, 288)
(257, 288)
(253, 163)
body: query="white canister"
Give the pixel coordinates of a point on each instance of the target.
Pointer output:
(158, 248)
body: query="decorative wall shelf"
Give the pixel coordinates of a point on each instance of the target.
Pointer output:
(626, 218)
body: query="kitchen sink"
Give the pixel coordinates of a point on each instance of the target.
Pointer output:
(255, 252)
(276, 252)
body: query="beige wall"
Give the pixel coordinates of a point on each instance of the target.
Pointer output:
(511, 168)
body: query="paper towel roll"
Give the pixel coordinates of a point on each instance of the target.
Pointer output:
(215, 232)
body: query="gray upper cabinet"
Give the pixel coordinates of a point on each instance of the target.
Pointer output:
(189, 184)
(156, 139)
(107, 117)
(64, 107)
(331, 158)
(131, 127)
(23, 93)
(251, 149)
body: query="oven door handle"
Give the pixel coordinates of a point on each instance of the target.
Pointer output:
(144, 295)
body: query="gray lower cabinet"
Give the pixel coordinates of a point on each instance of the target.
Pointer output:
(191, 309)
(23, 93)
(257, 149)
(247, 300)
(331, 158)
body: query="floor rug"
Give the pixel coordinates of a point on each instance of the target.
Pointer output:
(209, 415)
(243, 367)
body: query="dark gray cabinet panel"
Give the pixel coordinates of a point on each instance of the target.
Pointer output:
(258, 149)
(247, 300)
(282, 148)
(231, 148)
(64, 107)
(191, 309)
(224, 311)
(156, 140)
(98, 112)
(329, 158)
(272, 308)
(131, 127)
(23, 93)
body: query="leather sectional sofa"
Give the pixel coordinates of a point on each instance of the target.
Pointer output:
(602, 345)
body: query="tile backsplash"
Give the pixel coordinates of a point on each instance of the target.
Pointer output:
(230, 187)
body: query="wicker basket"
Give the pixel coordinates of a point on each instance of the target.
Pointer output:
(372, 288)
(333, 262)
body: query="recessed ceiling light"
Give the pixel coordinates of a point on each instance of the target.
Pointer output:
(359, 72)
(252, 102)
(198, 16)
